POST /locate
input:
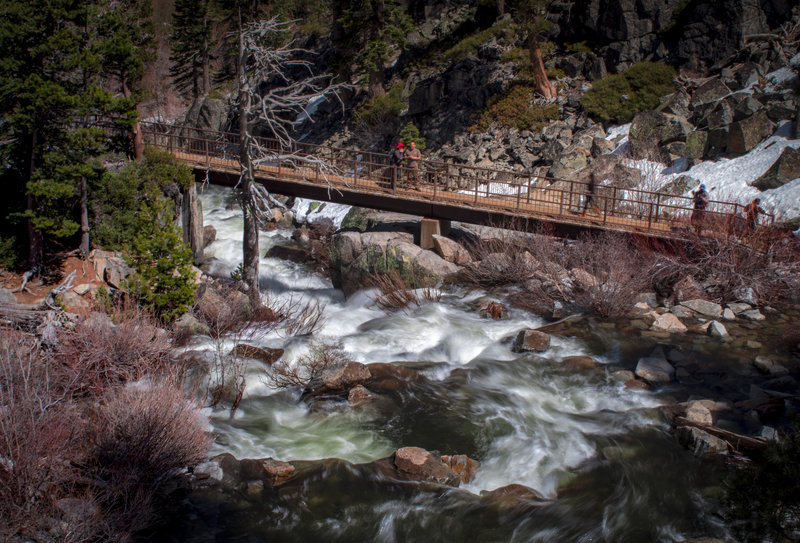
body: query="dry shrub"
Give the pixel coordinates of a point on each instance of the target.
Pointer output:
(615, 273)
(99, 353)
(37, 430)
(767, 265)
(500, 260)
(301, 319)
(396, 293)
(307, 368)
(144, 437)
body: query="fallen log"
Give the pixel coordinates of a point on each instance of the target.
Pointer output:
(738, 442)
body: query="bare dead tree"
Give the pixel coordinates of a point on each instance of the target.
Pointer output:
(271, 95)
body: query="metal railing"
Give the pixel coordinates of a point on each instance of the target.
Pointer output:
(472, 187)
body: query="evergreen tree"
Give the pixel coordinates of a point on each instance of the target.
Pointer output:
(374, 30)
(410, 133)
(128, 42)
(50, 81)
(164, 281)
(192, 44)
(531, 16)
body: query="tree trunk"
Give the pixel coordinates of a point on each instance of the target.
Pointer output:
(543, 85)
(138, 140)
(35, 241)
(501, 8)
(84, 248)
(247, 200)
(206, 67)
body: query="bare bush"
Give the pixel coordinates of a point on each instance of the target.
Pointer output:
(301, 319)
(99, 353)
(145, 436)
(500, 260)
(767, 265)
(38, 428)
(396, 293)
(608, 272)
(321, 356)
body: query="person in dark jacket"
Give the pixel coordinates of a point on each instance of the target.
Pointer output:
(700, 199)
(395, 161)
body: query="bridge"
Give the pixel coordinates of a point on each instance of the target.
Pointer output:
(447, 192)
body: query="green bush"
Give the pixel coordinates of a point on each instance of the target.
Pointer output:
(517, 109)
(164, 281)
(471, 43)
(618, 97)
(382, 108)
(578, 47)
(10, 254)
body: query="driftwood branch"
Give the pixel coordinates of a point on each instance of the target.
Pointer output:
(738, 442)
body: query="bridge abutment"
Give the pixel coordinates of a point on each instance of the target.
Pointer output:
(430, 227)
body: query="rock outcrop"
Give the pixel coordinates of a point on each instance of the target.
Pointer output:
(355, 256)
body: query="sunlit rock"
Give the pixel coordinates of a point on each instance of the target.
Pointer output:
(419, 464)
(531, 340)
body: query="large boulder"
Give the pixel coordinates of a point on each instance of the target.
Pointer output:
(654, 369)
(265, 354)
(701, 442)
(450, 250)
(704, 307)
(783, 170)
(110, 266)
(668, 323)
(355, 256)
(744, 135)
(708, 94)
(654, 127)
(206, 114)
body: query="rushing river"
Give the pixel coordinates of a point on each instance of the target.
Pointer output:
(598, 452)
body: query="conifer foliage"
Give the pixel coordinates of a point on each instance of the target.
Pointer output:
(192, 43)
(51, 80)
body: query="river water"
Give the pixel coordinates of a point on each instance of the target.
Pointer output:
(598, 453)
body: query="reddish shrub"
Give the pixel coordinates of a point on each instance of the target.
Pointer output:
(38, 429)
(144, 437)
(99, 353)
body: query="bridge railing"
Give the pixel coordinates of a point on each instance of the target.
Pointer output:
(458, 184)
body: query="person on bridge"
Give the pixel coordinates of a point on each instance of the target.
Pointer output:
(396, 160)
(700, 199)
(751, 212)
(413, 157)
(589, 195)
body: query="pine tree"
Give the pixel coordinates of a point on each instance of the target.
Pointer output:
(374, 30)
(50, 80)
(192, 44)
(531, 16)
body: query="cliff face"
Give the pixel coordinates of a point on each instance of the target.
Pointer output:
(696, 33)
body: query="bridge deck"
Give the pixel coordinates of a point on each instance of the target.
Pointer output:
(447, 191)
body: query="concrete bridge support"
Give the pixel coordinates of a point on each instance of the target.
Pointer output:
(430, 227)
